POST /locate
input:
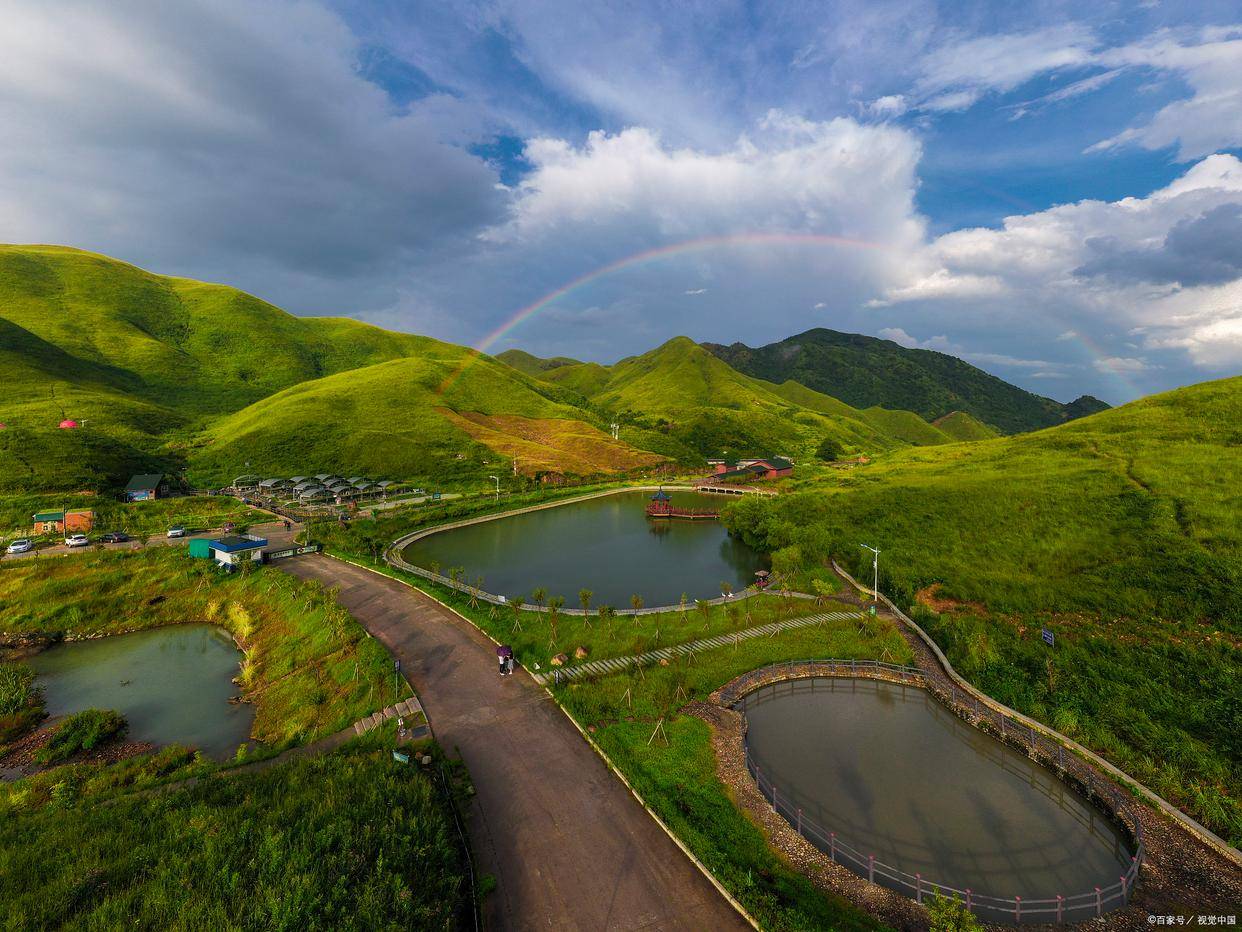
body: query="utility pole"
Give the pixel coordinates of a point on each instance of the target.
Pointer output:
(875, 569)
(497, 481)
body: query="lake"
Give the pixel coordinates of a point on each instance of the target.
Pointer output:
(895, 774)
(172, 684)
(607, 545)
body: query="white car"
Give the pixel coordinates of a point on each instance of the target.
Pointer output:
(21, 545)
(77, 540)
(177, 531)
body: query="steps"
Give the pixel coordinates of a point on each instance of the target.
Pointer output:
(406, 708)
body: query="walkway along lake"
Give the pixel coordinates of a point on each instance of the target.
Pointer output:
(607, 545)
(895, 774)
(172, 684)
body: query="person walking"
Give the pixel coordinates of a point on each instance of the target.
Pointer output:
(504, 654)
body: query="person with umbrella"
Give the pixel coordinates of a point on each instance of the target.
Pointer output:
(504, 654)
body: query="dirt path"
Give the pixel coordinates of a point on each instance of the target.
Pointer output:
(569, 846)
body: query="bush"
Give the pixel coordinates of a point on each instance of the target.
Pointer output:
(81, 732)
(829, 450)
(17, 689)
(949, 914)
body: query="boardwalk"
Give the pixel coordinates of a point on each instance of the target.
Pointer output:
(618, 664)
(569, 846)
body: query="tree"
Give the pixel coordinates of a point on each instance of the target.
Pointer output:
(705, 609)
(636, 603)
(606, 614)
(515, 603)
(949, 914)
(584, 599)
(829, 450)
(823, 592)
(434, 566)
(554, 615)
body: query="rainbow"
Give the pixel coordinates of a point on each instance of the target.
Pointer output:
(640, 258)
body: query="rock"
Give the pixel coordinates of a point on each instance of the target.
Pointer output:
(580, 653)
(664, 661)
(559, 660)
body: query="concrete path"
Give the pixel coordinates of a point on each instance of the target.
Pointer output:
(617, 664)
(569, 846)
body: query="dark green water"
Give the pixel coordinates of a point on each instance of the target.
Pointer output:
(895, 774)
(172, 684)
(607, 545)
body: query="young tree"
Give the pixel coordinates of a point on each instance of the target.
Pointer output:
(434, 566)
(515, 603)
(538, 596)
(606, 614)
(584, 599)
(636, 603)
(554, 616)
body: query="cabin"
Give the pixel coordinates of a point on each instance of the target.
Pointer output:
(146, 487)
(64, 522)
(233, 550)
(750, 470)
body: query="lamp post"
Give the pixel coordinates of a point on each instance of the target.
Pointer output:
(497, 481)
(875, 569)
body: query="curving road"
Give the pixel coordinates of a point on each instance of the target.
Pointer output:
(569, 846)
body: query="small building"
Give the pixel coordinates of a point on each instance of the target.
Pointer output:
(772, 467)
(64, 522)
(235, 549)
(660, 505)
(146, 487)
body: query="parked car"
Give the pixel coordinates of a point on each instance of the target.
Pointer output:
(115, 537)
(177, 531)
(21, 545)
(77, 540)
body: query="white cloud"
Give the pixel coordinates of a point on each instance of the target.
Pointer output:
(819, 305)
(899, 336)
(1158, 267)
(1210, 119)
(229, 139)
(696, 291)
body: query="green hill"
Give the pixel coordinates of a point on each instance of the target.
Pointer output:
(961, 426)
(1121, 532)
(432, 416)
(530, 364)
(866, 372)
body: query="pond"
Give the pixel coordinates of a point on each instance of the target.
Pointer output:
(607, 545)
(172, 684)
(895, 774)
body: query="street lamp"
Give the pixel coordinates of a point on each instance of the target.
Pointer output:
(497, 481)
(875, 567)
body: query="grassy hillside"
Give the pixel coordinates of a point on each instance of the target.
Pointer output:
(865, 372)
(430, 416)
(142, 360)
(686, 393)
(1122, 532)
(530, 364)
(961, 426)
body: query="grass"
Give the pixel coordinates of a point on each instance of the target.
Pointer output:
(82, 731)
(350, 840)
(21, 702)
(309, 667)
(1121, 532)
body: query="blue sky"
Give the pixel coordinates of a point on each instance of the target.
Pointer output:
(1049, 190)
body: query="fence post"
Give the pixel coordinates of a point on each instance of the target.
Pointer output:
(918, 888)
(1123, 889)
(1060, 907)
(1099, 904)
(1061, 749)
(871, 868)
(773, 798)
(799, 820)
(968, 899)
(832, 847)
(1017, 909)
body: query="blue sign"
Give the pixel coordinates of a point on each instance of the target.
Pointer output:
(397, 665)
(1047, 636)
(402, 758)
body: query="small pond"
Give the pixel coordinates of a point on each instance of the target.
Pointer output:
(895, 774)
(607, 545)
(172, 684)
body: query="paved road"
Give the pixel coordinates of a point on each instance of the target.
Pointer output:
(568, 844)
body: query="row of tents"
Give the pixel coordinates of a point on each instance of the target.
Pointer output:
(322, 487)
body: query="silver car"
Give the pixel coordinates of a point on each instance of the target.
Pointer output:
(21, 545)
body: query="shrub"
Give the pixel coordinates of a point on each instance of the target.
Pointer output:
(17, 689)
(81, 732)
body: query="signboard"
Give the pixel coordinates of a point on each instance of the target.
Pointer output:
(270, 555)
(1047, 636)
(397, 665)
(402, 758)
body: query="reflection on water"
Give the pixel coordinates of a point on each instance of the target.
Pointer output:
(172, 684)
(607, 545)
(895, 774)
